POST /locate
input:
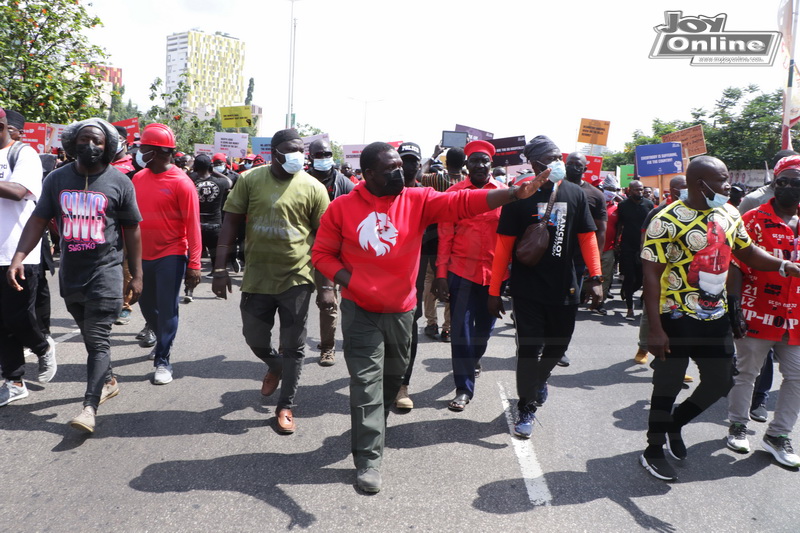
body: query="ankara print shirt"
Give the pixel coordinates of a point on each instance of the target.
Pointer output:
(90, 215)
(697, 248)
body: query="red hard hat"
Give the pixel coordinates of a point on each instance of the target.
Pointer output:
(158, 135)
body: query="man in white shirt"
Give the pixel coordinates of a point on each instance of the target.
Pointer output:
(20, 188)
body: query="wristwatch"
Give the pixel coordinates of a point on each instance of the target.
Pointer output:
(782, 269)
(598, 279)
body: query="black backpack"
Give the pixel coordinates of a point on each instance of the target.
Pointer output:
(13, 154)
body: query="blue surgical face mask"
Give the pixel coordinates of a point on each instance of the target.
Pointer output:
(294, 162)
(684, 195)
(219, 168)
(248, 166)
(557, 171)
(323, 165)
(719, 199)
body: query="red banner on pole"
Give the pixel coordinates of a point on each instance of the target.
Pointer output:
(35, 134)
(132, 127)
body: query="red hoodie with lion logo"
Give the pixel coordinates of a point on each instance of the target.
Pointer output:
(378, 240)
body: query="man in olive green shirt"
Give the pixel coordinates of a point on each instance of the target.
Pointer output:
(281, 205)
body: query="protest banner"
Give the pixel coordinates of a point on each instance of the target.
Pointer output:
(34, 134)
(593, 131)
(657, 159)
(54, 132)
(352, 154)
(207, 149)
(509, 151)
(692, 140)
(474, 134)
(311, 138)
(131, 125)
(625, 174)
(262, 146)
(238, 116)
(231, 144)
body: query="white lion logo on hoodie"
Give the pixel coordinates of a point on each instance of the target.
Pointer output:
(378, 232)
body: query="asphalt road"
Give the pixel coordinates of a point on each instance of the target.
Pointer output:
(201, 454)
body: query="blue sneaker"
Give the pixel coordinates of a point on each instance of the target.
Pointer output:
(524, 426)
(541, 395)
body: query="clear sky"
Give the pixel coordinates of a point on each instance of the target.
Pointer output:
(511, 67)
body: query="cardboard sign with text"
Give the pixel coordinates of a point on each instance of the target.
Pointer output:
(509, 151)
(625, 173)
(692, 139)
(238, 116)
(474, 134)
(131, 125)
(34, 134)
(207, 149)
(231, 144)
(262, 146)
(311, 138)
(594, 131)
(656, 159)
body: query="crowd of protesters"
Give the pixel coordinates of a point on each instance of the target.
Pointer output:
(380, 245)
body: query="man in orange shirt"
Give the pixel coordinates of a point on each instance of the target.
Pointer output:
(463, 271)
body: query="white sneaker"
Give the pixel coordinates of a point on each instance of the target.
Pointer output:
(781, 448)
(163, 375)
(84, 421)
(10, 392)
(110, 389)
(47, 362)
(737, 438)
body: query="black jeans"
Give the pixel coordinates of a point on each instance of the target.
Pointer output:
(543, 336)
(95, 318)
(210, 235)
(630, 265)
(18, 325)
(258, 317)
(709, 343)
(43, 300)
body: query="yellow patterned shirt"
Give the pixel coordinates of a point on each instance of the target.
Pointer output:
(697, 248)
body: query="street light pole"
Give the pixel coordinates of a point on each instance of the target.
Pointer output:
(365, 102)
(292, 40)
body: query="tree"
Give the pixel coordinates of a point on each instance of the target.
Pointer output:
(117, 110)
(49, 70)
(188, 128)
(249, 98)
(743, 129)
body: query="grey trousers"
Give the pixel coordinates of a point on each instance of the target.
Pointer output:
(750, 356)
(377, 349)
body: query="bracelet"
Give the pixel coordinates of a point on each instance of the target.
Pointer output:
(220, 270)
(782, 268)
(513, 192)
(328, 287)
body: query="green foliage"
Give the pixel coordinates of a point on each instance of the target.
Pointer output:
(306, 130)
(45, 59)
(189, 129)
(249, 98)
(118, 110)
(743, 129)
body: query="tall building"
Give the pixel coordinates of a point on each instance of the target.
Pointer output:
(214, 66)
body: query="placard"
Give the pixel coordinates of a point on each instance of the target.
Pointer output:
(262, 146)
(231, 144)
(509, 151)
(593, 131)
(238, 116)
(34, 134)
(656, 159)
(131, 126)
(692, 140)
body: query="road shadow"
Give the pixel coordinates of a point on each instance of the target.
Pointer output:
(621, 480)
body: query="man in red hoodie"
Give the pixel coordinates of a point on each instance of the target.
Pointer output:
(369, 242)
(170, 238)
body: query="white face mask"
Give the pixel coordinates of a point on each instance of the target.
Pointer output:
(294, 162)
(683, 195)
(557, 171)
(140, 160)
(323, 165)
(609, 195)
(219, 168)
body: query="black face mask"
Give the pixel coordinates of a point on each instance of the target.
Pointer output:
(787, 197)
(88, 154)
(574, 173)
(393, 183)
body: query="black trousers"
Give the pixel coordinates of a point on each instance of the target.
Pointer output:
(543, 335)
(630, 265)
(18, 326)
(709, 343)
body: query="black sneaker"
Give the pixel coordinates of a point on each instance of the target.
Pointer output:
(148, 340)
(675, 446)
(658, 467)
(445, 336)
(431, 331)
(759, 414)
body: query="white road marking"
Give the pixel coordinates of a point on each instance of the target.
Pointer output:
(67, 336)
(532, 474)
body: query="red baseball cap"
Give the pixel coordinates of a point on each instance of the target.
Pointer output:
(219, 156)
(478, 147)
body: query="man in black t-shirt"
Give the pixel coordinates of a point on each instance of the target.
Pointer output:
(212, 191)
(545, 296)
(630, 217)
(94, 205)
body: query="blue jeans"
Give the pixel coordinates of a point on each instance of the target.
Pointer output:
(470, 328)
(162, 279)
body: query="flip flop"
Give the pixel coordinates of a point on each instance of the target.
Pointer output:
(458, 403)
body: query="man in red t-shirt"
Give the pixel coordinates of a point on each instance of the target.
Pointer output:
(369, 242)
(170, 238)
